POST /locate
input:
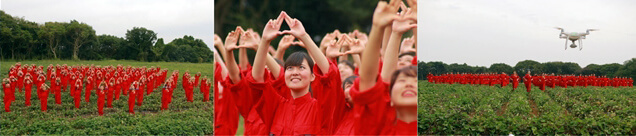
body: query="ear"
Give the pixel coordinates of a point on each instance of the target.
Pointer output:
(313, 77)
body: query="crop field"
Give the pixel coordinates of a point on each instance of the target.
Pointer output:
(182, 118)
(489, 110)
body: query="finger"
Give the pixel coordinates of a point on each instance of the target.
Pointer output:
(289, 21)
(402, 6)
(286, 32)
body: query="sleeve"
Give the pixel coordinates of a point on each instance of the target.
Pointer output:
(371, 108)
(269, 101)
(327, 90)
(241, 94)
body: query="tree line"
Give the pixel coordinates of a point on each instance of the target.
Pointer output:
(74, 40)
(627, 69)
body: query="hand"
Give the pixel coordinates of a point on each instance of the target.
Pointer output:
(296, 27)
(328, 38)
(385, 13)
(407, 45)
(402, 24)
(217, 40)
(333, 48)
(249, 40)
(356, 47)
(271, 28)
(413, 6)
(287, 41)
(231, 40)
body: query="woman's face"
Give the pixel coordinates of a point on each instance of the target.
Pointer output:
(404, 61)
(347, 89)
(298, 77)
(404, 91)
(345, 71)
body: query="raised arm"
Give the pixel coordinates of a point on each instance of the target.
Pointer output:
(399, 27)
(298, 31)
(269, 33)
(230, 46)
(383, 16)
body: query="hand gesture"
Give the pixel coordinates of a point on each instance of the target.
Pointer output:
(385, 13)
(271, 28)
(356, 47)
(407, 45)
(231, 40)
(287, 41)
(217, 40)
(296, 27)
(402, 24)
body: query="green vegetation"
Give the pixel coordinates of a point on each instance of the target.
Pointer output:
(485, 110)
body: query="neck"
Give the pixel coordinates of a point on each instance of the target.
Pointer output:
(407, 114)
(299, 93)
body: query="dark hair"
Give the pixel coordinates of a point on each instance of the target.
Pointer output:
(348, 80)
(280, 62)
(410, 53)
(348, 63)
(296, 59)
(410, 71)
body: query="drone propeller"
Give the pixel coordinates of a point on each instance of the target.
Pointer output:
(559, 28)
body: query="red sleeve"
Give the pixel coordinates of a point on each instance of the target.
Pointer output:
(279, 83)
(328, 92)
(371, 108)
(414, 61)
(267, 105)
(241, 92)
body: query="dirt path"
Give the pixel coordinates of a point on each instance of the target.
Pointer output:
(533, 106)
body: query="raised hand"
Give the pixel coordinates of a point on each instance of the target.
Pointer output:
(356, 47)
(250, 40)
(296, 27)
(407, 45)
(413, 6)
(271, 28)
(333, 48)
(385, 13)
(402, 24)
(217, 40)
(287, 41)
(231, 40)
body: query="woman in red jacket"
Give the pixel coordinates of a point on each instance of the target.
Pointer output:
(77, 94)
(56, 88)
(109, 92)
(44, 95)
(6, 86)
(89, 87)
(166, 95)
(101, 93)
(205, 89)
(141, 85)
(28, 84)
(189, 86)
(132, 92)
(294, 110)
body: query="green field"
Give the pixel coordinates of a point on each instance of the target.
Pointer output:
(182, 118)
(468, 109)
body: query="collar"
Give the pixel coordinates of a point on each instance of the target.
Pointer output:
(303, 99)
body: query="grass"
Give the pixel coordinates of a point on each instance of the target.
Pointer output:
(182, 118)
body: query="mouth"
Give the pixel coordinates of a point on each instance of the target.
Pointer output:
(295, 79)
(409, 93)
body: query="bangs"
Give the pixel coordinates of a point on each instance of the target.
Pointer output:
(348, 63)
(412, 54)
(296, 59)
(409, 71)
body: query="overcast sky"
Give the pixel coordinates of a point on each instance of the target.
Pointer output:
(483, 32)
(170, 19)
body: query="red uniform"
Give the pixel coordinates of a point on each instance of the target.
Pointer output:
(227, 108)
(374, 113)
(27, 94)
(101, 93)
(7, 97)
(57, 92)
(188, 86)
(166, 96)
(140, 93)
(205, 90)
(131, 100)
(109, 95)
(89, 87)
(77, 94)
(118, 87)
(43, 95)
(527, 80)
(541, 83)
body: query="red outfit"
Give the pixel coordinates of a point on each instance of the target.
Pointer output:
(374, 113)
(43, 95)
(131, 100)
(100, 100)
(27, 93)
(7, 97)
(77, 94)
(57, 92)
(527, 80)
(109, 95)
(166, 97)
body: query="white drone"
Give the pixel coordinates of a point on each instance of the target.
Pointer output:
(574, 36)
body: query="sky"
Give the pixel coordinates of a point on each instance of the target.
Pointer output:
(483, 32)
(170, 19)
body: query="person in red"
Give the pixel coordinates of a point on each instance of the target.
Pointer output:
(77, 93)
(381, 108)
(101, 93)
(132, 92)
(205, 89)
(515, 80)
(542, 82)
(150, 84)
(118, 87)
(196, 78)
(28, 83)
(89, 87)
(140, 90)
(20, 83)
(8, 92)
(40, 81)
(44, 95)
(109, 94)
(188, 87)
(166, 95)
(301, 113)
(527, 80)
(55, 87)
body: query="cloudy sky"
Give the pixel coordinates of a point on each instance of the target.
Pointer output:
(483, 32)
(170, 19)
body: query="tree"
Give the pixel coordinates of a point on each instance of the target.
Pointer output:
(53, 32)
(609, 70)
(528, 65)
(80, 33)
(141, 40)
(501, 67)
(628, 69)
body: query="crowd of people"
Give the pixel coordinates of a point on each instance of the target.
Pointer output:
(351, 83)
(539, 80)
(108, 83)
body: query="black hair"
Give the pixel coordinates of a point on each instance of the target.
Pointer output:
(296, 59)
(410, 53)
(348, 80)
(410, 71)
(280, 62)
(348, 63)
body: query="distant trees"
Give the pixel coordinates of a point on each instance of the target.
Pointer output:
(23, 39)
